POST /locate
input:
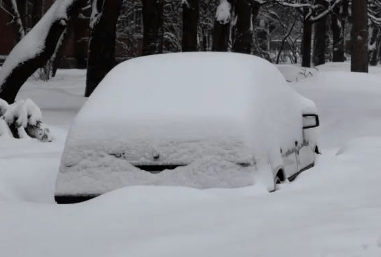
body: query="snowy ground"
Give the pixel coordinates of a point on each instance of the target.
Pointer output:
(331, 210)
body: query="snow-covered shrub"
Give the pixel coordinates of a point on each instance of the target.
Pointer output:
(3, 107)
(22, 119)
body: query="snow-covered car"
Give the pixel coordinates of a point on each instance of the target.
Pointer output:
(203, 120)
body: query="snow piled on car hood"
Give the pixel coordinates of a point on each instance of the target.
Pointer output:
(237, 105)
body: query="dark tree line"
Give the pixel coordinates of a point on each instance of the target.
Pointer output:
(315, 30)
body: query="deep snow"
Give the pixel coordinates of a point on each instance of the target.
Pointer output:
(330, 210)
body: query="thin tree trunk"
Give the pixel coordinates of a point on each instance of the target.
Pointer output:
(337, 38)
(306, 43)
(359, 36)
(338, 23)
(190, 23)
(221, 33)
(222, 27)
(153, 27)
(374, 43)
(320, 41)
(243, 29)
(12, 8)
(284, 39)
(102, 42)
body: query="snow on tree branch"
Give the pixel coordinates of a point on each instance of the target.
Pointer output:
(327, 11)
(96, 13)
(223, 12)
(316, 10)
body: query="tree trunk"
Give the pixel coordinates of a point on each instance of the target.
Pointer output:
(320, 41)
(36, 11)
(243, 32)
(337, 38)
(374, 44)
(14, 74)
(338, 22)
(153, 27)
(222, 28)
(12, 7)
(359, 36)
(190, 22)
(284, 39)
(101, 54)
(306, 43)
(221, 33)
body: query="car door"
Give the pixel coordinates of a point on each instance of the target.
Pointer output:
(305, 155)
(289, 160)
(306, 149)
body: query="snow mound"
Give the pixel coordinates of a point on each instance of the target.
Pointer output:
(349, 104)
(23, 112)
(361, 146)
(25, 118)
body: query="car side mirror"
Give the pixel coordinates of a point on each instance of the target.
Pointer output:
(310, 121)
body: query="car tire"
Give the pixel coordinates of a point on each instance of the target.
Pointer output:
(279, 178)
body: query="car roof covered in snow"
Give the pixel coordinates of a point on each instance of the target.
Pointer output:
(200, 84)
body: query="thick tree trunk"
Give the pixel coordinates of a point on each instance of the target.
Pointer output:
(359, 36)
(374, 44)
(101, 54)
(222, 28)
(306, 43)
(23, 62)
(221, 33)
(153, 27)
(190, 23)
(319, 42)
(243, 29)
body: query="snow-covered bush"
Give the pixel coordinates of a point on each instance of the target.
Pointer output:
(22, 119)
(3, 107)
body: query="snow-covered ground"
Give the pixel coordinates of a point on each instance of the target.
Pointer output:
(331, 210)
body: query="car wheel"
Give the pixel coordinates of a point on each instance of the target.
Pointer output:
(278, 179)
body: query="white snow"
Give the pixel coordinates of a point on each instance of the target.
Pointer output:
(238, 116)
(331, 210)
(223, 14)
(33, 43)
(3, 107)
(24, 112)
(28, 168)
